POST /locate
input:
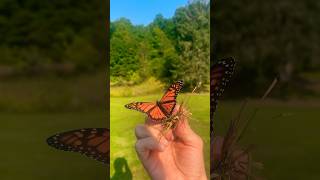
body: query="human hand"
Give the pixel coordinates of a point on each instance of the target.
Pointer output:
(178, 155)
(236, 166)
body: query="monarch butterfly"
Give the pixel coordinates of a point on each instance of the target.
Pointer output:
(162, 109)
(220, 75)
(92, 142)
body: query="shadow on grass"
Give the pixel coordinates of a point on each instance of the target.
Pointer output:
(122, 170)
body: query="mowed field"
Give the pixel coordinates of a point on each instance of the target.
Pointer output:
(123, 122)
(26, 155)
(34, 108)
(285, 136)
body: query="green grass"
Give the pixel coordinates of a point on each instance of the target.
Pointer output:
(312, 75)
(25, 154)
(34, 108)
(123, 122)
(150, 86)
(286, 136)
(53, 94)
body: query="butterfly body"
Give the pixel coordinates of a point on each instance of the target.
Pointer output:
(166, 113)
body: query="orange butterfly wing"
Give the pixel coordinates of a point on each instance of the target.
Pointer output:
(168, 100)
(144, 107)
(162, 109)
(92, 142)
(151, 109)
(156, 114)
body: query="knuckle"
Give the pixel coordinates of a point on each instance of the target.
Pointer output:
(138, 145)
(138, 130)
(138, 148)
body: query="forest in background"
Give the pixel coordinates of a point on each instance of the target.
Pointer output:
(269, 39)
(167, 49)
(52, 79)
(51, 37)
(53, 55)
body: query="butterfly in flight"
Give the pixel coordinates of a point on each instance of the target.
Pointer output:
(92, 142)
(162, 109)
(220, 75)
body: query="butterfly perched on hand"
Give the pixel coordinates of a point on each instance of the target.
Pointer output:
(92, 142)
(161, 109)
(220, 75)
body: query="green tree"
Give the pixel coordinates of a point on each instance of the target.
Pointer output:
(193, 29)
(123, 50)
(87, 57)
(167, 49)
(46, 29)
(268, 39)
(163, 56)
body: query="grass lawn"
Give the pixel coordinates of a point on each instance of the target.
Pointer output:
(286, 136)
(34, 108)
(25, 154)
(123, 122)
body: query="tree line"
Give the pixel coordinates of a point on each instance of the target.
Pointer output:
(168, 49)
(58, 36)
(268, 39)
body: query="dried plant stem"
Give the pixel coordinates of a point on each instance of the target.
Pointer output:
(256, 109)
(236, 161)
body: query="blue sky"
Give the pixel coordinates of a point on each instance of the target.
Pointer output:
(143, 11)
